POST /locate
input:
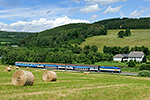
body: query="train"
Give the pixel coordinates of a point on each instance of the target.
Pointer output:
(77, 67)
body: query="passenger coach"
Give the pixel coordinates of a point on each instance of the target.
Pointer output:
(80, 67)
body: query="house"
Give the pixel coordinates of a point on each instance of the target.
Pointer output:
(14, 45)
(134, 55)
(121, 57)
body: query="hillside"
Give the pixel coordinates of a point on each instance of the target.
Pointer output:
(66, 34)
(132, 23)
(9, 37)
(138, 38)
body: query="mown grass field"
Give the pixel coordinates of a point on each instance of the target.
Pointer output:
(75, 86)
(139, 37)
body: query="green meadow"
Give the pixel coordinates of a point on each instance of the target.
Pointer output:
(139, 37)
(75, 86)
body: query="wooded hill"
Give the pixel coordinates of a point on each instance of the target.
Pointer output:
(66, 34)
(124, 23)
(77, 33)
(10, 37)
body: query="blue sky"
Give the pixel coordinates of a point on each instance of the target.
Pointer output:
(39, 15)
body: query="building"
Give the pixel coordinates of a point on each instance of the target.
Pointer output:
(121, 57)
(134, 55)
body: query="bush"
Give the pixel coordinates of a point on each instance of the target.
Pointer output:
(144, 67)
(131, 63)
(144, 73)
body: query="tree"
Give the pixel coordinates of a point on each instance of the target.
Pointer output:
(144, 59)
(94, 48)
(127, 32)
(131, 63)
(120, 34)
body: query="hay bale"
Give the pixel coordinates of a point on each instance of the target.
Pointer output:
(16, 67)
(44, 69)
(54, 70)
(22, 78)
(87, 72)
(84, 73)
(7, 69)
(49, 76)
(10, 66)
(27, 67)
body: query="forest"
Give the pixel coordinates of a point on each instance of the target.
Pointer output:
(66, 54)
(66, 34)
(124, 23)
(13, 37)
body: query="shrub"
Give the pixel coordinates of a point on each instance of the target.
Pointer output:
(131, 63)
(144, 67)
(144, 73)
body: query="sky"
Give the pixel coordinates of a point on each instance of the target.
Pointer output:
(39, 15)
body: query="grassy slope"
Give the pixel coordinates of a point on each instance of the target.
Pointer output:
(75, 85)
(138, 38)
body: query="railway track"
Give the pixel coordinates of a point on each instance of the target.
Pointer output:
(123, 73)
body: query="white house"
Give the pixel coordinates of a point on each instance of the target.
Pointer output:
(134, 55)
(120, 57)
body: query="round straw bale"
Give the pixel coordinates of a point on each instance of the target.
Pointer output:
(10, 66)
(84, 72)
(7, 69)
(87, 72)
(44, 69)
(22, 78)
(16, 67)
(27, 67)
(49, 76)
(54, 70)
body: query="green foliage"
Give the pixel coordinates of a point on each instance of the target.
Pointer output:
(142, 48)
(66, 34)
(144, 73)
(144, 67)
(65, 54)
(131, 63)
(94, 48)
(12, 37)
(127, 32)
(116, 50)
(125, 50)
(120, 34)
(124, 23)
(144, 59)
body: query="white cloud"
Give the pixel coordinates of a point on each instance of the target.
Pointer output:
(103, 2)
(38, 25)
(90, 9)
(112, 10)
(136, 13)
(93, 17)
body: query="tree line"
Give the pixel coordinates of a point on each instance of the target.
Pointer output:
(124, 50)
(13, 36)
(66, 54)
(124, 23)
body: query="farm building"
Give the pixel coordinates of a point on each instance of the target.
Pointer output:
(134, 55)
(120, 57)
